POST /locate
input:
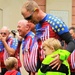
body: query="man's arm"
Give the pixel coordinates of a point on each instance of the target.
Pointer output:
(58, 58)
(69, 40)
(10, 50)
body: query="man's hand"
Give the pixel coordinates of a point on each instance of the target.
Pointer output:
(56, 62)
(2, 38)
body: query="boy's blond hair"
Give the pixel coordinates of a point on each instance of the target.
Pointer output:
(10, 62)
(52, 42)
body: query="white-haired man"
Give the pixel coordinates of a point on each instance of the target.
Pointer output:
(8, 47)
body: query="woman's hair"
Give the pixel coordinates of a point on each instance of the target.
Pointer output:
(10, 62)
(52, 42)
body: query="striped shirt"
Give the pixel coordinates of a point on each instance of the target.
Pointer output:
(29, 60)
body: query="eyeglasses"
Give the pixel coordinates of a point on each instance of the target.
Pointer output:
(3, 33)
(29, 17)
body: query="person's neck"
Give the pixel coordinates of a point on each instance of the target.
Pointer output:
(13, 69)
(42, 15)
(26, 33)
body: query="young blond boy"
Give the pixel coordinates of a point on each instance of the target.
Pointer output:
(52, 47)
(11, 64)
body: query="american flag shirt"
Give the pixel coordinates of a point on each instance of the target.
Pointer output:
(28, 54)
(50, 26)
(13, 43)
(1, 54)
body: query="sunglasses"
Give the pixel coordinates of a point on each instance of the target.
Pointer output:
(29, 17)
(3, 33)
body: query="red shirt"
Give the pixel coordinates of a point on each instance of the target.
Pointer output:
(71, 60)
(13, 72)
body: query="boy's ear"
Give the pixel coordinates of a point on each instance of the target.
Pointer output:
(52, 48)
(15, 64)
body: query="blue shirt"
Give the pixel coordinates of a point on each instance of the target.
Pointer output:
(18, 73)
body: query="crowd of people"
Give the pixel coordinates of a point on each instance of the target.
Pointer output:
(47, 44)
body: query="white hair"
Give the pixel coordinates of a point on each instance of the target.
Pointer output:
(6, 28)
(23, 22)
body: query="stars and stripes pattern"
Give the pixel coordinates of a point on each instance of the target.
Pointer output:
(57, 24)
(73, 60)
(44, 33)
(30, 59)
(29, 54)
(13, 43)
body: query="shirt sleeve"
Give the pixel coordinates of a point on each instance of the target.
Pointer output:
(57, 24)
(62, 30)
(69, 41)
(14, 43)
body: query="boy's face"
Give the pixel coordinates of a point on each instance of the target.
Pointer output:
(16, 65)
(47, 50)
